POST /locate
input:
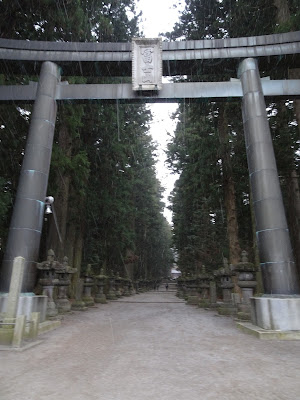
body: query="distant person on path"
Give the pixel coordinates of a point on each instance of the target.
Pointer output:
(167, 286)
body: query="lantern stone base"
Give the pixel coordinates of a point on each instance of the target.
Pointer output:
(244, 316)
(244, 312)
(193, 300)
(111, 296)
(100, 299)
(89, 301)
(203, 303)
(63, 305)
(79, 305)
(226, 309)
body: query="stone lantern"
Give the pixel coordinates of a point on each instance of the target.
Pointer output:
(246, 279)
(64, 280)
(226, 284)
(127, 284)
(225, 281)
(100, 283)
(88, 283)
(142, 285)
(78, 304)
(204, 287)
(118, 283)
(131, 288)
(192, 290)
(111, 295)
(180, 291)
(247, 283)
(136, 287)
(48, 279)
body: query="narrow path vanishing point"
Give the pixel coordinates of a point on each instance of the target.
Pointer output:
(151, 347)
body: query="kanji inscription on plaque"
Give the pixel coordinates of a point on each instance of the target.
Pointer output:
(146, 64)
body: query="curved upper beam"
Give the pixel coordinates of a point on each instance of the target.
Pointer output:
(254, 46)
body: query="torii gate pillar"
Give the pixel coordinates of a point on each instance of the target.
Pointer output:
(28, 213)
(279, 273)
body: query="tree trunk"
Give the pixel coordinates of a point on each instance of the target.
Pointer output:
(283, 11)
(232, 224)
(61, 200)
(70, 243)
(229, 191)
(229, 194)
(77, 260)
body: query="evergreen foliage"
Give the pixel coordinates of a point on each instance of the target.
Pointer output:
(211, 200)
(107, 198)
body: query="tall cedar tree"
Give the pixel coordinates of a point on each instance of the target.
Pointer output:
(215, 19)
(96, 188)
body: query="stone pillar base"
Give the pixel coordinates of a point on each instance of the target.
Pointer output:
(281, 313)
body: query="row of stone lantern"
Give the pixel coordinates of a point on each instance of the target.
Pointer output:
(201, 289)
(53, 274)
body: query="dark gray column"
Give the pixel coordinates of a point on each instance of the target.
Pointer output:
(27, 219)
(276, 256)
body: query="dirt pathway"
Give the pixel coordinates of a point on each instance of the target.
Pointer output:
(146, 347)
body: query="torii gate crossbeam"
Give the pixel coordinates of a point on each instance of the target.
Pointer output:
(171, 92)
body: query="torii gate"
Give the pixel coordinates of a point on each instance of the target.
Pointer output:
(277, 262)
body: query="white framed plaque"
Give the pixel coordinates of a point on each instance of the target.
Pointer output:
(146, 64)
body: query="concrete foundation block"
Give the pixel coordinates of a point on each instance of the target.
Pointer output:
(6, 335)
(27, 304)
(276, 313)
(267, 334)
(48, 326)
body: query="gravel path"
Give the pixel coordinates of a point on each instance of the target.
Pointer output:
(151, 347)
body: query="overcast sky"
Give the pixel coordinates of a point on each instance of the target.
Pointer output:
(160, 16)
